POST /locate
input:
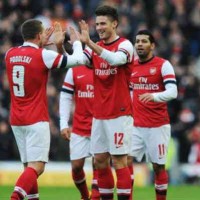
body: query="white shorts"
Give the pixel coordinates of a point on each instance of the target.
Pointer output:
(33, 141)
(79, 147)
(152, 142)
(111, 135)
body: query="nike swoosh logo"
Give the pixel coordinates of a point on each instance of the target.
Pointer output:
(81, 76)
(134, 73)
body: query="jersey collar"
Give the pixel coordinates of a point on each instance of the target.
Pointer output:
(30, 44)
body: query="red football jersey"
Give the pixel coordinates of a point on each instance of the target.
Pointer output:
(81, 85)
(147, 78)
(111, 84)
(27, 70)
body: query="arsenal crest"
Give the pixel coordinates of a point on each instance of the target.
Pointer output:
(152, 70)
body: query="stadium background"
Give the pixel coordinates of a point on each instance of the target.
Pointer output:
(176, 27)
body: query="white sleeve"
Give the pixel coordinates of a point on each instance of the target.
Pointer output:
(66, 100)
(49, 57)
(87, 58)
(169, 80)
(52, 59)
(77, 57)
(123, 55)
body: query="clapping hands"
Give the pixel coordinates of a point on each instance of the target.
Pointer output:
(85, 37)
(74, 35)
(58, 35)
(47, 34)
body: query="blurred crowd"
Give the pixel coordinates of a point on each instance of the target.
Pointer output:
(176, 27)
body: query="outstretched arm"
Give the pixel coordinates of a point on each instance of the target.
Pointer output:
(77, 57)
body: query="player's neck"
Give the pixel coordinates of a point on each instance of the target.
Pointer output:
(111, 39)
(34, 41)
(146, 59)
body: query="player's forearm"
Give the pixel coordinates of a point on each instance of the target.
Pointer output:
(114, 58)
(95, 47)
(77, 57)
(64, 109)
(60, 48)
(167, 95)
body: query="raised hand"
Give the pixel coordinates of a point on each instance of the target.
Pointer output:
(47, 34)
(58, 34)
(74, 35)
(85, 37)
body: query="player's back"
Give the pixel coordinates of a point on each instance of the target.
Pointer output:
(27, 75)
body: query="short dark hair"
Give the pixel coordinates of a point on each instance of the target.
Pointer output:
(147, 32)
(107, 11)
(30, 28)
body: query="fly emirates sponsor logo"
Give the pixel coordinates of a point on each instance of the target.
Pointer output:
(88, 93)
(104, 70)
(144, 85)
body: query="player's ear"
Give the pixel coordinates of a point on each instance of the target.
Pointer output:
(115, 24)
(38, 36)
(152, 46)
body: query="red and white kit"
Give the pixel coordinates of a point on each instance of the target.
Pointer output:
(112, 100)
(27, 70)
(151, 120)
(78, 87)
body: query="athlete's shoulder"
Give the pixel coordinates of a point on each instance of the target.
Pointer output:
(135, 60)
(159, 59)
(80, 70)
(122, 39)
(100, 42)
(80, 67)
(10, 51)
